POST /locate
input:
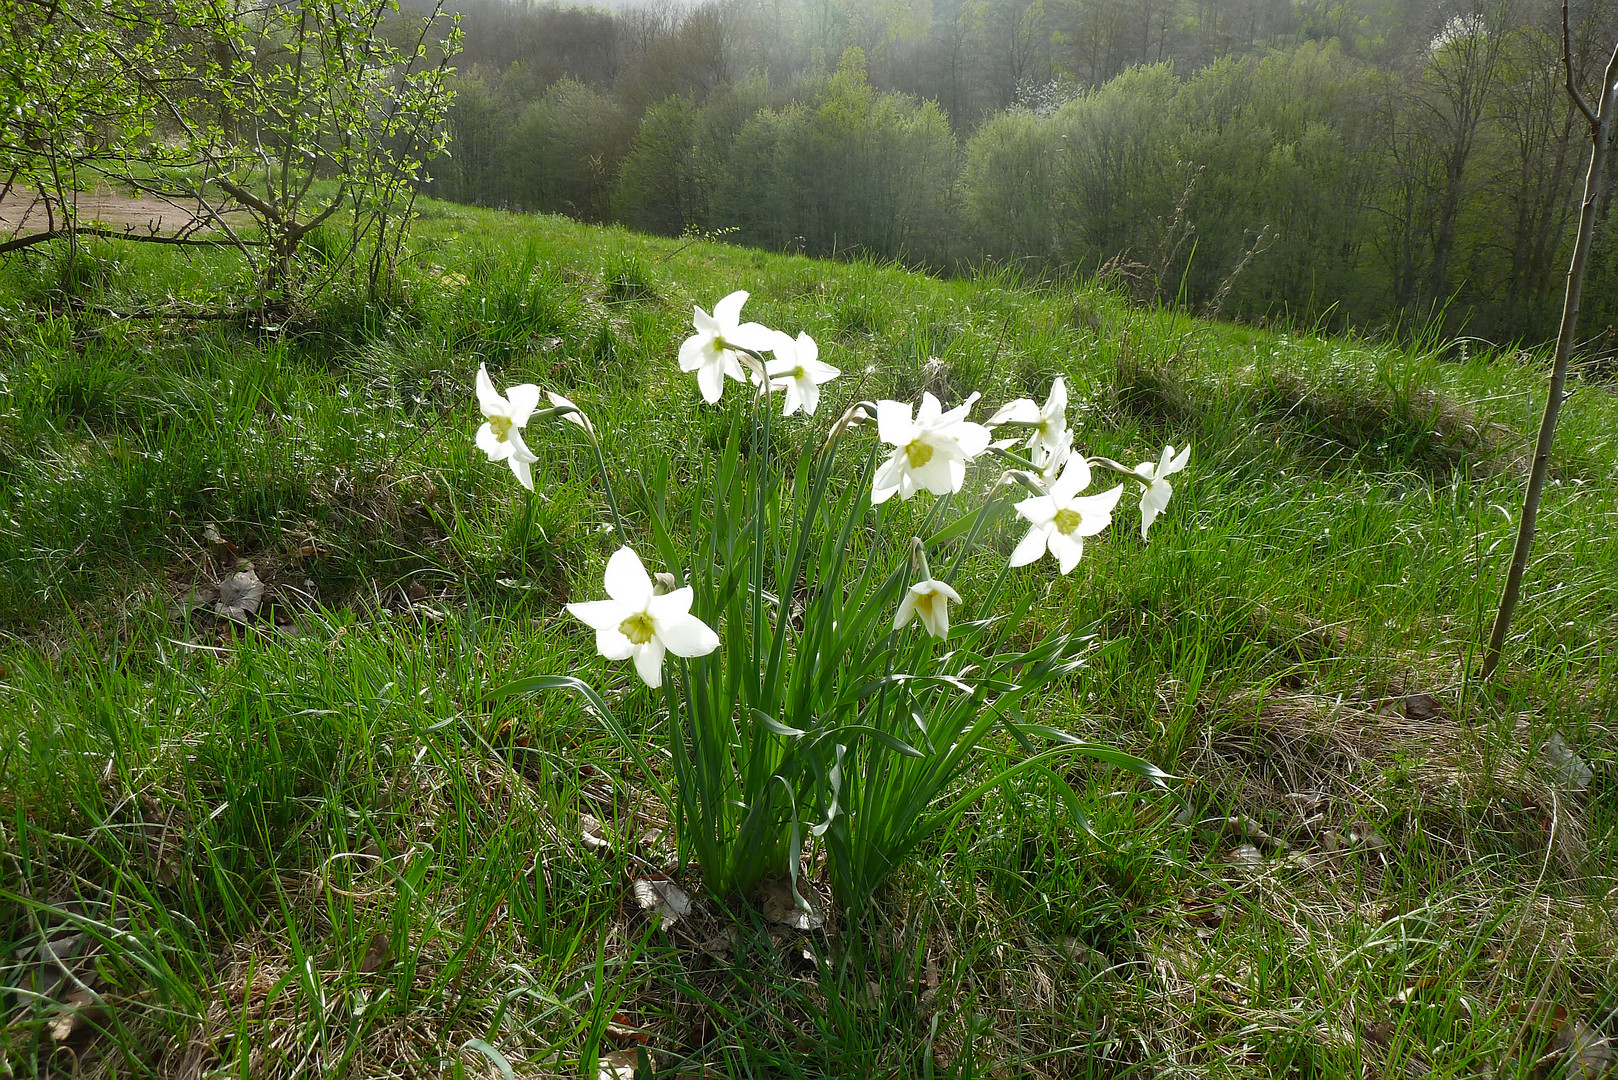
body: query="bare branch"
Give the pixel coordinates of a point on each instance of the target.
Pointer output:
(1567, 67)
(71, 231)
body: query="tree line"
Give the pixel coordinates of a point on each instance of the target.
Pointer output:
(1370, 163)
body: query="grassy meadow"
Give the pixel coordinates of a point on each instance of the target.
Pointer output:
(312, 843)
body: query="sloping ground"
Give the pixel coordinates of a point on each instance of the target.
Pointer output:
(297, 837)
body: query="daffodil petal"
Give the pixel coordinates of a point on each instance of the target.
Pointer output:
(600, 614)
(686, 635)
(1158, 495)
(711, 381)
(519, 448)
(753, 336)
(1067, 549)
(728, 312)
(972, 438)
(1039, 509)
(626, 580)
(907, 611)
(1095, 511)
(612, 644)
(809, 352)
(809, 397)
(1021, 411)
(792, 401)
(649, 662)
(489, 399)
(893, 423)
(672, 604)
(1031, 546)
(491, 445)
(524, 399)
(1148, 514)
(1075, 478)
(692, 350)
(1056, 404)
(890, 473)
(522, 470)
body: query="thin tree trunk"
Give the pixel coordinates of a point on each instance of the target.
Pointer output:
(1600, 122)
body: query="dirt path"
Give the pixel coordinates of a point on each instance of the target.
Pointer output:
(22, 214)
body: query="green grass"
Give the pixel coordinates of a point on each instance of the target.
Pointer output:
(214, 823)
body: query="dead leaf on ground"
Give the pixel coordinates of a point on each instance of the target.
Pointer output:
(1588, 1055)
(1575, 1050)
(592, 835)
(1564, 764)
(662, 898)
(722, 944)
(779, 905)
(76, 1018)
(1247, 856)
(1245, 827)
(219, 547)
(622, 1030)
(52, 963)
(1362, 835)
(1422, 707)
(378, 954)
(619, 1065)
(239, 595)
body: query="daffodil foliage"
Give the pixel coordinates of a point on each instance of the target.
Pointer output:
(819, 688)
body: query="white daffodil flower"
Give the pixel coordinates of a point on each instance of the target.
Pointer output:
(929, 601)
(501, 434)
(1061, 520)
(798, 370)
(635, 622)
(1158, 489)
(711, 351)
(930, 451)
(1049, 421)
(576, 416)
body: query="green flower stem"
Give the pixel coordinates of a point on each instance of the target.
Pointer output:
(606, 485)
(527, 524)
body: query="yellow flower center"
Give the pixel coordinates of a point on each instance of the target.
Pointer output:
(720, 344)
(637, 628)
(1067, 521)
(501, 426)
(919, 453)
(797, 372)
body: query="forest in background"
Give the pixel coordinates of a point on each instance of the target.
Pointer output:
(1383, 164)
